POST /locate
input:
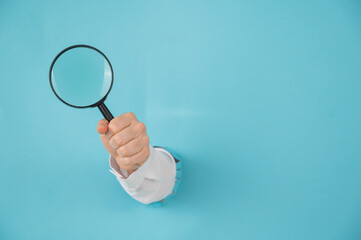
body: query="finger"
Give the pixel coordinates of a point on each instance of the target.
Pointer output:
(119, 123)
(123, 137)
(133, 147)
(135, 160)
(127, 134)
(102, 126)
(126, 167)
(129, 168)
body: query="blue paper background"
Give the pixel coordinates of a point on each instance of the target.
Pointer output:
(260, 99)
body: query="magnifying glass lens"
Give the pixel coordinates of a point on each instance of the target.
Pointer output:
(81, 77)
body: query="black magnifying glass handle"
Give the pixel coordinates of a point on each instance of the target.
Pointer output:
(105, 111)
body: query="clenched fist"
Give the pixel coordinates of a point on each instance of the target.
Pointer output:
(126, 139)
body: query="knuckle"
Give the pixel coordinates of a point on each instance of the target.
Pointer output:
(118, 159)
(141, 126)
(124, 150)
(129, 115)
(127, 161)
(146, 140)
(117, 140)
(113, 126)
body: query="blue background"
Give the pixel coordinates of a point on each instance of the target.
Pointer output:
(260, 99)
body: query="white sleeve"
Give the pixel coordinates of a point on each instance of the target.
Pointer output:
(153, 181)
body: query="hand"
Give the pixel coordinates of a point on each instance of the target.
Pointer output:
(126, 139)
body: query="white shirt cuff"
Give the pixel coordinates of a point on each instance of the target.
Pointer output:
(134, 180)
(151, 182)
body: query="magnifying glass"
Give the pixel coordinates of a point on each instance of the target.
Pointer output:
(81, 76)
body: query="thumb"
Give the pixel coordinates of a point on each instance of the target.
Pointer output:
(102, 127)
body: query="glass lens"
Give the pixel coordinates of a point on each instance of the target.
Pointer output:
(81, 76)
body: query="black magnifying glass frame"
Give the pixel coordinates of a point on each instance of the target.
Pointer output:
(100, 104)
